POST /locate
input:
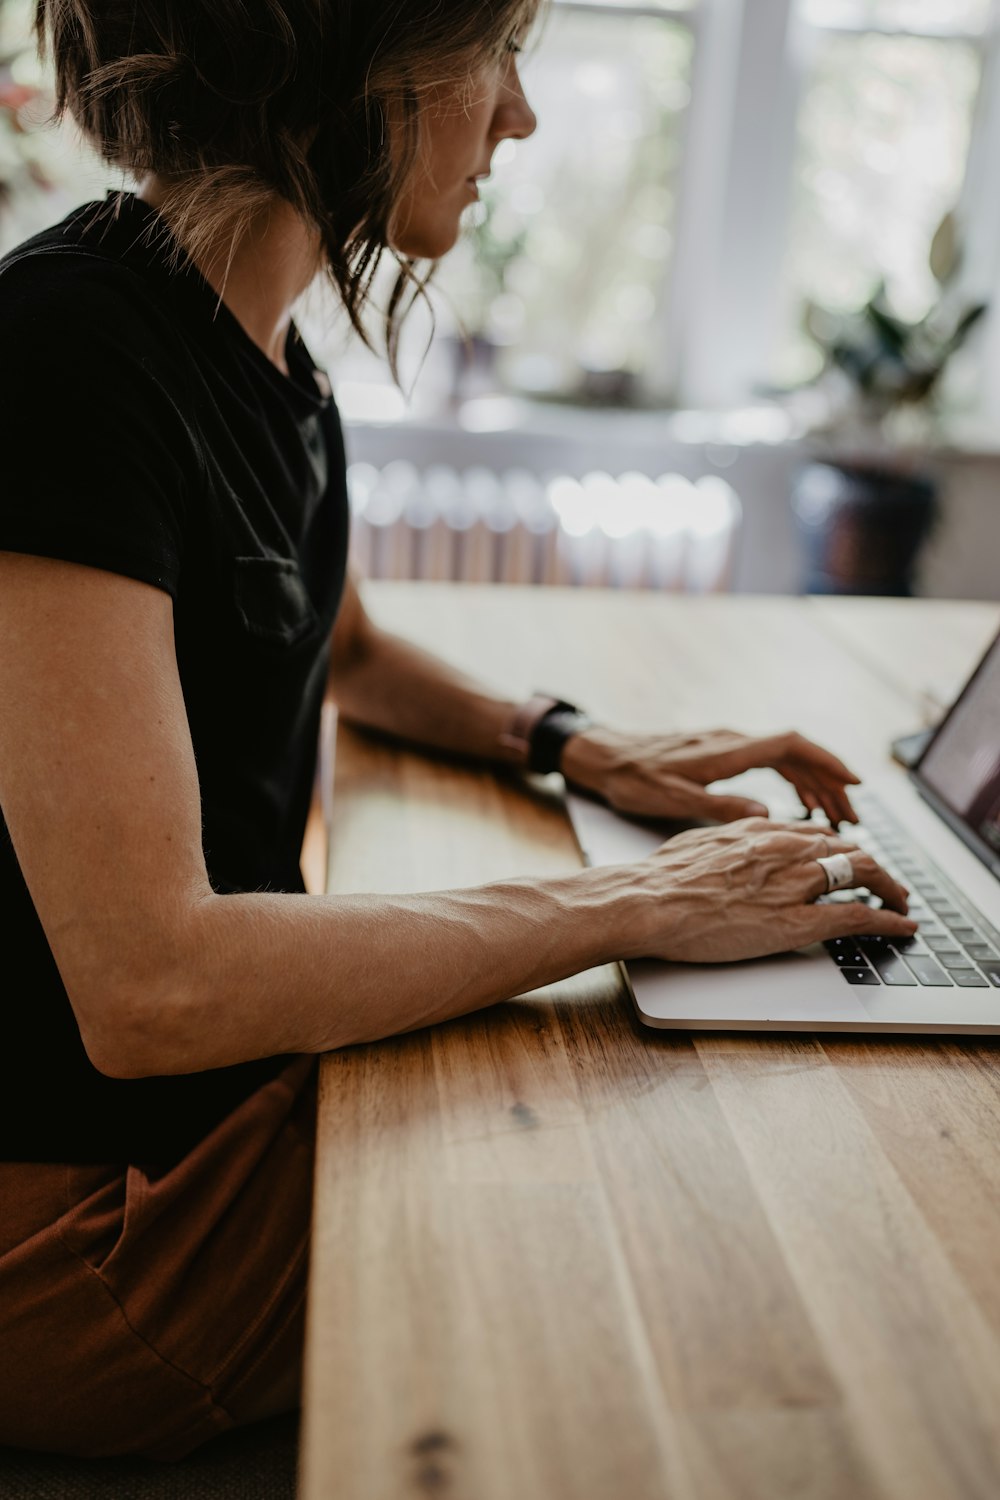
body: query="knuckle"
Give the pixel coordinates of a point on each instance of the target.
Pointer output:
(758, 825)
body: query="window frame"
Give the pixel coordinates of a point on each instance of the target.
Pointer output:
(716, 328)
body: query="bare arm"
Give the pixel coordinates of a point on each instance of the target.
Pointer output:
(99, 787)
(379, 680)
(382, 681)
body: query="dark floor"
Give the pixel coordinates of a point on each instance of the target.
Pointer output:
(257, 1463)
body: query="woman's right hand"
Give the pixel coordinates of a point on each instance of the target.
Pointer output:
(750, 888)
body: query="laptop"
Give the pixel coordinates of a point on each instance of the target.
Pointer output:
(937, 829)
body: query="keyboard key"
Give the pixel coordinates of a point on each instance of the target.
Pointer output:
(875, 947)
(909, 945)
(934, 955)
(928, 972)
(844, 952)
(892, 970)
(951, 961)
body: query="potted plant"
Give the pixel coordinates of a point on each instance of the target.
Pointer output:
(865, 508)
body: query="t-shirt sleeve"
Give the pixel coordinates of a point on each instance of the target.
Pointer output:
(101, 461)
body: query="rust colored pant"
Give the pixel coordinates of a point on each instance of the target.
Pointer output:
(145, 1313)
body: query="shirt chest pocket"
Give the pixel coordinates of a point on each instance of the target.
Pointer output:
(272, 601)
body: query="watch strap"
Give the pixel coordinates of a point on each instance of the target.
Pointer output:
(518, 735)
(550, 735)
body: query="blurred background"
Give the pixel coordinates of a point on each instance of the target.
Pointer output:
(726, 321)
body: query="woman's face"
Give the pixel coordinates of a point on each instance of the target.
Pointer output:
(460, 130)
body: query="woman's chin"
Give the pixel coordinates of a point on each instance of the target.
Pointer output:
(427, 242)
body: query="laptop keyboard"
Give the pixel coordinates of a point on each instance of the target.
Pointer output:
(955, 947)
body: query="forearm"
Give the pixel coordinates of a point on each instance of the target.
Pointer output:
(271, 974)
(393, 686)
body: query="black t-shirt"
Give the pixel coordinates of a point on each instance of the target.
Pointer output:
(147, 434)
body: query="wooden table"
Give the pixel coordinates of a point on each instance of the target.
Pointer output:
(557, 1258)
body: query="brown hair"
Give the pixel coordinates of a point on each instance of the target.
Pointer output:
(232, 102)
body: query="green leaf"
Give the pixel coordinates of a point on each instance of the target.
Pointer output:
(946, 254)
(966, 323)
(893, 333)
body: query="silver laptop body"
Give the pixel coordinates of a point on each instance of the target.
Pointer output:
(938, 831)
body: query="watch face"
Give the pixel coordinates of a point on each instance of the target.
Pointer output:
(569, 721)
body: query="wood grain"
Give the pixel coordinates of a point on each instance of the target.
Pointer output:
(560, 1258)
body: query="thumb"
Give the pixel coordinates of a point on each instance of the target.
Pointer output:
(726, 809)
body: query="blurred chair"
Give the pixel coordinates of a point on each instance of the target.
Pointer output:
(477, 526)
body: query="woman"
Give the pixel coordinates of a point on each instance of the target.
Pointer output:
(173, 607)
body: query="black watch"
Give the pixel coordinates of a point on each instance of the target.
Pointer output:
(550, 735)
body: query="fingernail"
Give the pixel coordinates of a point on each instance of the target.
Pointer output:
(758, 810)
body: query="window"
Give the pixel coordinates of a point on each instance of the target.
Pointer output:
(883, 139)
(828, 137)
(564, 267)
(701, 169)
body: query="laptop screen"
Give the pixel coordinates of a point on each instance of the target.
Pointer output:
(961, 766)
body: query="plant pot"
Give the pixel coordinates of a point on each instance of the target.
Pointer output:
(861, 527)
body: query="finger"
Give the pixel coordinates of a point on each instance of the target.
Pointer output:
(785, 848)
(818, 793)
(868, 875)
(679, 797)
(850, 814)
(836, 803)
(838, 808)
(823, 761)
(670, 796)
(825, 802)
(833, 802)
(725, 809)
(804, 829)
(871, 875)
(851, 918)
(838, 843)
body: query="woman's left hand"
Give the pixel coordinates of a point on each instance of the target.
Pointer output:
(665, 775)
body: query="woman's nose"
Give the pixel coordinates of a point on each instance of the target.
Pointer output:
(515, 119)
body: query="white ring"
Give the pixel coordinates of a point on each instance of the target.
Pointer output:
(838, 870)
